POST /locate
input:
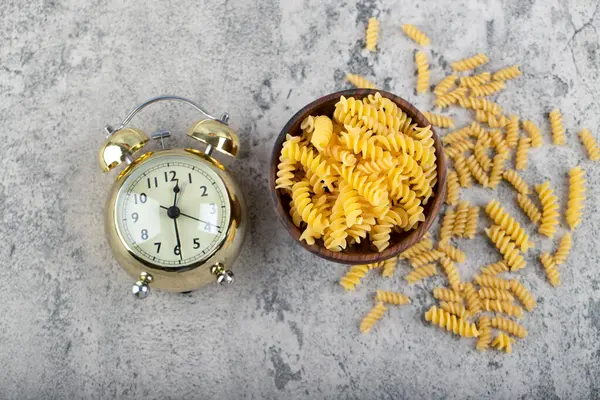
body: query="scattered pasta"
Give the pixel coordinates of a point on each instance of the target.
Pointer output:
(485, 333)
(495, 268)
(522, 294)
(469, 63)
(475, 80)
(472, 221)
(389, 267)
(534, 133)
(451, 272)
(549, 209)
(445, 85)
(372, 317)
(577, 188)
(521, 159)
(455, 308)
(415, 34)
(503, 307)
(453, 188)
(372, 34)
(550, 266)
(590, 144)
(564, 248)
(451, 97)
(448, 224)
(558, 130)
(507, 73)
(503, 342)
(509, 225)
(516, 181)
(509, 326)
(488, 89)
(460, 224)
(355, 274)
(512, 131)
(495, 294)
(422, 72)
(419, 273)
(397, 299)
(472, 298)
(442, 121)
(446, 294)
(420, 247)
(512, 256)
(529, 208)
(476, 103)
(360, 81)
(450, 322)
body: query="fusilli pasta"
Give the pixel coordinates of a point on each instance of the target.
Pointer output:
(521, 158)
(495, 294)
(422, 72)
(359, 81)
(451, 323)
(469, 63)
(446, 294)
(455, 308)
(512, 256)
(507, 73)
(512, 131)
(415, 34)
(505, 307)
(453, 189)
(472, 298)
(442, 121)
(577, 189)
(534, 133)
(451, 272)
(488, 89)
(475, 80)
(419, 273)
(549, 209)
(550, 266)
(495, 268)
(564, 248)
(529, 208)
(485, 333)
(445, 85)
(397, 299)
(503, 342)
(509, 326)
(558, 130)
(372, 34)
(508, 224)
(590, 144)
(372, 317)
(516, 181)
(451, 97)
(476, 103)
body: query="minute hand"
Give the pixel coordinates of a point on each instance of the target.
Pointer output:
(194, 218)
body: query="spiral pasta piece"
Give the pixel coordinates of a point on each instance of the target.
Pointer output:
(503, 342)
(460, 224)
(550, 213)
(422, 72)
(419, 273)
(426, 258)
(445, 85)
(335, 235)
(491, 119)
(354, 275)
(415, 34)
(503, 307)
(370, 190)
(508, 224)
(372, 34)
(389, 267)
(455, 308)
(447, 224)
(453, 188)
(307, 125)
(307, 210)
(446, 294)
(495, 294)
(564, 248)
(372, 317)
(475, 80)
(458, 135)
(380, 234)
(459, 148)
(296, 217)
(359, 81)
(492, 281)
(521, 158)
(450, 98)
(464, 175)
(512, 256)
(472, 221)
(516, 181)
(452, 252)
(488, 89)
(524, 295)
(509, 326)
(550, 267)
(476, 103)
(442, 121)
(495, 268)
(558, 130)
(397, 299)
(472, 298)
(529, 208)
(507, 73)
(485, 333)
(512, 131)
(422, 246)
(323, 132)
(481, 152)
(307, 158)
(499, 142)
(534, 133)
(590, 144)
(451, 272)
(477, 171)
(577, 189)
(497, 169)
(450, 322)
(285, 173)
(469, 63)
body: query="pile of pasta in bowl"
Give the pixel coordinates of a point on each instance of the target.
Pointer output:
(358, 175)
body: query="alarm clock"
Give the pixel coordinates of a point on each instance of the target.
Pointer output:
(175, 218)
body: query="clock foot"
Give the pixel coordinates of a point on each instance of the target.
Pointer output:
(141, 288)
(223, 275)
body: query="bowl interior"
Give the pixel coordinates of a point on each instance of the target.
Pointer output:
(358, 253)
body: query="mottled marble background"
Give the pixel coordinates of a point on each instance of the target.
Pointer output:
(69, 327)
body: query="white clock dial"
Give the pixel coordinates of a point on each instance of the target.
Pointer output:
(173, 211)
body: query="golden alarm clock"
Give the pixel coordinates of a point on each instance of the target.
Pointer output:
(175, 218)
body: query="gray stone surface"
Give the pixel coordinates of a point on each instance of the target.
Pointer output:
(70, 329)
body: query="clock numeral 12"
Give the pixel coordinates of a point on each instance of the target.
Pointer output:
(173, 176)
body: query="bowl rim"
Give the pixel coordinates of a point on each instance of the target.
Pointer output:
(395, 248)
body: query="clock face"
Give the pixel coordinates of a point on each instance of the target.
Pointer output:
(173, 211)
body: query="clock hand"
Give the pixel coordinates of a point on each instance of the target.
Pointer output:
(178, 240)
(194, 218)
(181, 189)
(175, 190)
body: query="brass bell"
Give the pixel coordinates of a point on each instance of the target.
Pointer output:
(217, 136)
(120, 146)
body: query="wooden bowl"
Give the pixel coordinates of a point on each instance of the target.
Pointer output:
(362, 253)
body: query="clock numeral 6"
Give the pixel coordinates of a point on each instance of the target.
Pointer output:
(177, 250)
(196, 243)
